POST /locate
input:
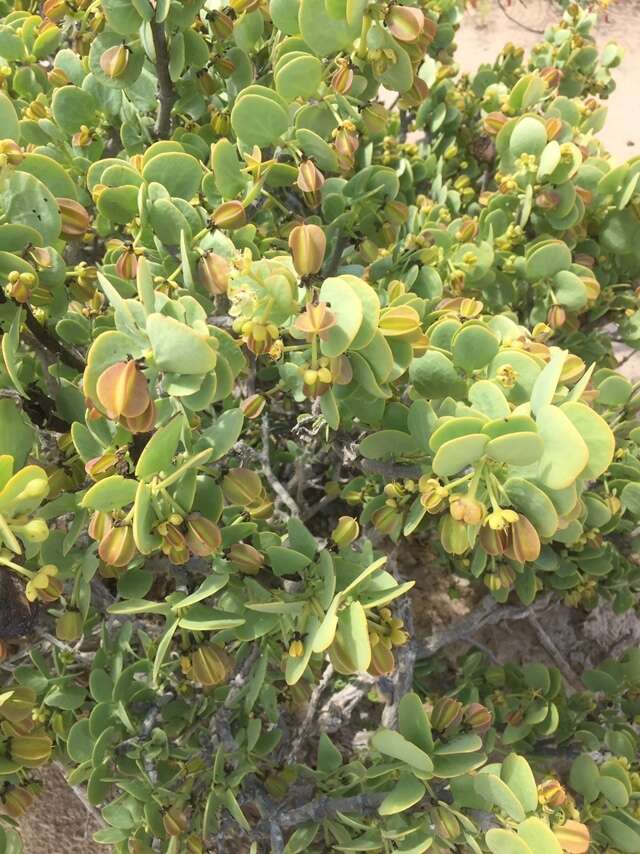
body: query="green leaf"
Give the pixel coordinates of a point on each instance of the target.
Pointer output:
(434, 376)
(565, 453)
(16, 433)
(539, 836)
(298, 75)
(505, 842)
(160, 450)
(347, 308)
(517, 774)
(352, 625)
(111, 493)
(386, 444)
(227, 169)
(597, 435)
(178, 172)
(406, 792)
(413, 722)
(545, 386)
(459, 453)
(259, 116)
(79, 741)
(497, 793)
(391, 743)
(162, 649)
(9, 118)
(177, 348)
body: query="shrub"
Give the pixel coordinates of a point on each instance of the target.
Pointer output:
(285, 298)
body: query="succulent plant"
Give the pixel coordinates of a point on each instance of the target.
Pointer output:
(284, 297)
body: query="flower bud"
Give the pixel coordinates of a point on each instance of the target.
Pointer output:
(387, 520)
(253, 406)
(342, 78)
(316, 319)
(230, 215)
(308, 244)
(142, 423)
(375, 118)
(222, 25)
(123, 390)
(524, 542)
(478, 717)
(117, 547)
(446, 714)
(466, 509)
(446, 824)
(242, 486)
(454, 536)
(494, 122)
(17, 801)
(551, 793)
(203, 536)
(346, 531)
(34, 531)
(310, 178)
(245, 558)
(12, 151)
(75, 217)
(213, 273)
(54, 10)
(399, 321)
(114, 60)
(382, 661)
(556, 316)
(57, 78)
(405, 22)
(127, 263)
(69, 626)
(30, 750)
(175, 821)
(210, 665)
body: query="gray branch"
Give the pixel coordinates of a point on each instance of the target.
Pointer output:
(166, 94)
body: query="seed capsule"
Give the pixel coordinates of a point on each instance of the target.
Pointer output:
(405, 22)
(213, 273)
(242, 486)
(310, 178)
(31, 750)
(308, 244)
(245, 558)
(123, 390)
(230, 215)
(117, 547)
(203, 535)
(346, 531)
(446, 714)
(69, 626)
(114, 61)
(210, 665)
(75, 217)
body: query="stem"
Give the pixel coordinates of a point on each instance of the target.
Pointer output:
(166, 95)
(50, 343)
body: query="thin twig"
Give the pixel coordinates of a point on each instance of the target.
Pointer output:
(312, 707)
(503, 9)
(275, 484)
(50, 343)
(81, 795)
(166, 94)
(333, 261)
(391, 471)
(402, 679)
(562, 664)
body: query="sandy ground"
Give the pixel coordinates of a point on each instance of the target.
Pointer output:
(486, 30)
(58, 823)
